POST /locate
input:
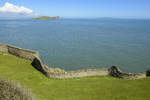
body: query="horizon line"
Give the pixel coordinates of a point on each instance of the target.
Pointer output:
(77, 17)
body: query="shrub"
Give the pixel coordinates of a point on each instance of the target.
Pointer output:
(148, 73)
(13, 91)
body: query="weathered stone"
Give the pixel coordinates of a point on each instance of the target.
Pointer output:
(19, 52)
(116, 72)
(36, 63)
(55, 70)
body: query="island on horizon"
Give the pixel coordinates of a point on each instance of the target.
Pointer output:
(47, 18)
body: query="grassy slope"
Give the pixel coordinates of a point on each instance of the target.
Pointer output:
(89, 88)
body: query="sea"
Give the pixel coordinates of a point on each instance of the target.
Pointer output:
(81, 43)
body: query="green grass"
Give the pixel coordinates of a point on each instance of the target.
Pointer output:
(88, 88)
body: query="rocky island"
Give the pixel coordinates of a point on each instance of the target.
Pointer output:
(47, 18)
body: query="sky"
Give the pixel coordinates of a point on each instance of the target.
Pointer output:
(76, 8)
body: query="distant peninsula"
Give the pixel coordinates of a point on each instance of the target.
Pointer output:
(47, 18)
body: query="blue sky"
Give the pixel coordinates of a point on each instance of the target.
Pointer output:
(86, 8)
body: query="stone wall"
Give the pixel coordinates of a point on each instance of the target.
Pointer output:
(3, 48)
(112, 71)
(79, 73)
(22, 53)
(60, 73)
(116, 72)
(37, 64)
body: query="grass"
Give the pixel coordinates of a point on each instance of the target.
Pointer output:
(88, 88)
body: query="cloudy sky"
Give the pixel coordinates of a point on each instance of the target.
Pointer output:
(76, 8)
(11, 10)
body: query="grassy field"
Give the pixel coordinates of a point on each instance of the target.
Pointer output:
(88, 88)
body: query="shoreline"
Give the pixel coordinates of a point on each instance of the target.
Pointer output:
(61, 73)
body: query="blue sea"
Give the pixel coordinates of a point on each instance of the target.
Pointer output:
(74, 44)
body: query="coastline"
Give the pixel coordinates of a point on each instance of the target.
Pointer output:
(60, 73)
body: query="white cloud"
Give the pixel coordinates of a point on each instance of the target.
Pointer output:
(11, 8)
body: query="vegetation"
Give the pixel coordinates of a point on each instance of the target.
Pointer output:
(47, 18)
(88, 88)
(148, 73)
(13, 91)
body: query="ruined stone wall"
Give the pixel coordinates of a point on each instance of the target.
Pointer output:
(3, 48)
(116, 72)
(22, 53)
(60, 73)
(26, 54)
(97, 72)
(79, 73)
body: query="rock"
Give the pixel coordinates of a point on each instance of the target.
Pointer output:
(115, 71)
(36, 63)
